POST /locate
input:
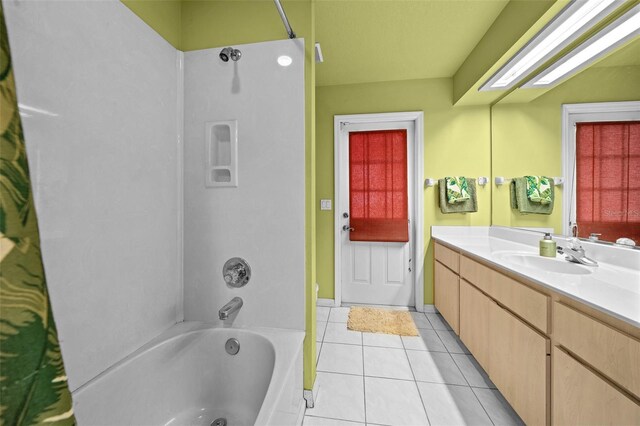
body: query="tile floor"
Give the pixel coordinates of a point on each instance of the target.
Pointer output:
(382, 379)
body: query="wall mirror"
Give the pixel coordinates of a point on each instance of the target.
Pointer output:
(527, 139)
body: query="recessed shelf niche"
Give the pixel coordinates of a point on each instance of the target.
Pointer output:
(221, 168)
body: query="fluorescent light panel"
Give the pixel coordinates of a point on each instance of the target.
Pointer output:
(617, 33)
(576, 19)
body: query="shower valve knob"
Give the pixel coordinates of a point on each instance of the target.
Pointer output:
(236, 272)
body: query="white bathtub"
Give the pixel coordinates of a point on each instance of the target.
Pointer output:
(185, 377)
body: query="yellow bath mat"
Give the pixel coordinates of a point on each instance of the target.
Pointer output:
(376, 320)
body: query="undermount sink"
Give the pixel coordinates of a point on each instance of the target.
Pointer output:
(556, 265)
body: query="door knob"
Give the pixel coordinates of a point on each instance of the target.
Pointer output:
(347, 228)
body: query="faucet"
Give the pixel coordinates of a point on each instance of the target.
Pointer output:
(575, 253)
(232, 306)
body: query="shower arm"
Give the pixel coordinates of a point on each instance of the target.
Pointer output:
(285, 21)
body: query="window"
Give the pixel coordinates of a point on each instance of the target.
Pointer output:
(601, 163)
(608, 180)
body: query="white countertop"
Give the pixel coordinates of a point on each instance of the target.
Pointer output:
(612, 287)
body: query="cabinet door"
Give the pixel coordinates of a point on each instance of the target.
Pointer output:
(447, 295)
(580, 397)
(518, 364)
(474, 322)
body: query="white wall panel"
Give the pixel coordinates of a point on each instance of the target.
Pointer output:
(99, 95)
(262, 219)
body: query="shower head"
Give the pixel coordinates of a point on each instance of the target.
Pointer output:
(236, 55)
(225, 53)
(230, 52)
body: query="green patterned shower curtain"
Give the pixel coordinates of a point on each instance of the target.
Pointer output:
(33, 382)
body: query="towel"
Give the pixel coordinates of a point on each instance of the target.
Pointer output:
(457, 189)
(521, 202)
(468, 206)
(538, 189)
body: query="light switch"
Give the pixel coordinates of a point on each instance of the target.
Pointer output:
(325, 204)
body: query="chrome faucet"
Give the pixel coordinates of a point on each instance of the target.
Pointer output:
(232, 306)
(575, 253)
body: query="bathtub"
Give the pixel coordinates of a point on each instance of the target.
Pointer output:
(186, 377)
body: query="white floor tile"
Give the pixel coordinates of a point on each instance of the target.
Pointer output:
(427, 341)
(437, 322)
(323, 421)
(393, 402)
(499, 410)
(337, 332)
(320, 327)
(386, 362)
(472, 371)
(452, 405)
(437, 367)
(339, 358)
(322, 313)
(382, 340)
(339, 315)
(430, 309)
(420, 320)
(340, 396)
(452, 342)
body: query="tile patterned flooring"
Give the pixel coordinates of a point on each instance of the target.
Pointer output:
(382, 379)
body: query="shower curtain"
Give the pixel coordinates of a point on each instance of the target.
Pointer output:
(32, 377)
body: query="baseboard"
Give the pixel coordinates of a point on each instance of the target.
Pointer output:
(301, 411)
(326, 302)
(430, 309)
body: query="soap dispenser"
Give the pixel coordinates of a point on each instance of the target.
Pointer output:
(547, 246)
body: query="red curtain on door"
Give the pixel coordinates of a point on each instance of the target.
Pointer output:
(608, 179)
(378, 186)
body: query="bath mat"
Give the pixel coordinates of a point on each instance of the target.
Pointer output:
(376, 320)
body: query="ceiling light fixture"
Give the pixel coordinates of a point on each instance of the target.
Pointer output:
(574, 20)
(612, 36)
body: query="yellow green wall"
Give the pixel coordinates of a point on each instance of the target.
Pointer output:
(163, 16)
(527, 137)
(456, 142)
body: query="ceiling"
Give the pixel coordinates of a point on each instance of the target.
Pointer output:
(382, 40)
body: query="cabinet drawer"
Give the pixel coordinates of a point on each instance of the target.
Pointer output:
(447, 295)
(519, 364)
(580, 397)
(517, 297)
(476, 273)
(474, 322)
(611, 352)
(448, 257)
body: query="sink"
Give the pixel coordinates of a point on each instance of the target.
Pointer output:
(556, 265)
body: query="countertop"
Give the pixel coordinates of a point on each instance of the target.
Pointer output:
(612, 287)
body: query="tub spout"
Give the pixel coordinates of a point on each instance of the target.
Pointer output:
(232, 306)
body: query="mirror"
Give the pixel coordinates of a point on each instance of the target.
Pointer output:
(526, 139)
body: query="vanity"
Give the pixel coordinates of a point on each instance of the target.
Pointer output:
(561, 341)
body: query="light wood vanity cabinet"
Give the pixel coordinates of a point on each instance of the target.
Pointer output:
(447, 295)
(518, 364)
(581, 397)
(592, 374)
(618, 354)
(474, 322)
(447, 290)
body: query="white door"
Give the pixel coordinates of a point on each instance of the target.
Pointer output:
(375, 272)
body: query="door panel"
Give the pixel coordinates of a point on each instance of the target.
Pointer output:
(375, 272)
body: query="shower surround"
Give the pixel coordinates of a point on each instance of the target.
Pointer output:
(115, 121)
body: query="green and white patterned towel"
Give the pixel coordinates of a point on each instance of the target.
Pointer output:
(457, 189)
(538, 189)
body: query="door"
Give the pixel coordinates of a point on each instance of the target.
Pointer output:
(376, 213)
